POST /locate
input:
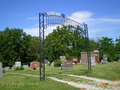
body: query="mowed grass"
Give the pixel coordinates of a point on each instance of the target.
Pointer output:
(109, 71)
(20, 82)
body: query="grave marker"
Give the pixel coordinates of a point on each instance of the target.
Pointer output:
(62, 58)
(17, 64)
(67, 65)
(46, 62)
(105, 59)
(25, 66)
(93, 61)
(74, 60)
(1, 70)
(34, 65)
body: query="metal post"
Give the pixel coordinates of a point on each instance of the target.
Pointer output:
(43, 50)
(40, 44)
(119, 56)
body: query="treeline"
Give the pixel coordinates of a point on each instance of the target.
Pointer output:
(16, 45)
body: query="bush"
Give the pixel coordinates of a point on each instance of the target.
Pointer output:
(57, 63)
(3, 71)
(19, 68)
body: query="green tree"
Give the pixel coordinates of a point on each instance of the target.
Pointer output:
(14, 46)
(106, 46)
(117, 48)
(67, 41)
(34, 49)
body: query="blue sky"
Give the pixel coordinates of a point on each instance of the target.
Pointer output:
(102, 16)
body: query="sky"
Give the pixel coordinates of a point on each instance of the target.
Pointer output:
(101, 16)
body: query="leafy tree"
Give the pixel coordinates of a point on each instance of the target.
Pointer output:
(64, 41)
(117, 48)
(34, 49)
(14, 46)
(106, 46)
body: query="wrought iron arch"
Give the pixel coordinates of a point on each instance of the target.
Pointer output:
(53, 18)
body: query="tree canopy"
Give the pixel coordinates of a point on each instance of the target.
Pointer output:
(16, 45)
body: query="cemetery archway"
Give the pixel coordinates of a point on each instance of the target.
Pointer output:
(52, 18)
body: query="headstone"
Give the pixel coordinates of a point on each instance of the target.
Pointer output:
(67, 65)
(34, 65)
(25, 66)
(13, 67)
(52, 63)
(105, 59)
(46, 62)
(17, 64)
(93, 61)
(119, 60)
(1, 70)
(62, 58)
(80, 61)
(74, 60)
(7, 68)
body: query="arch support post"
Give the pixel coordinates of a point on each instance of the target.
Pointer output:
(41, 47)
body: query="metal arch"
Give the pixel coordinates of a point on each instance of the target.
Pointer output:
(45, 21)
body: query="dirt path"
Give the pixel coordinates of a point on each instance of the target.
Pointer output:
(111, 85)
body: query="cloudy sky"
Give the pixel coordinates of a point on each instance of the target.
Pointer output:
(101, 16)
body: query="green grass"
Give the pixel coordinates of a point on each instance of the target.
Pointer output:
(109, 71)
(20, 82)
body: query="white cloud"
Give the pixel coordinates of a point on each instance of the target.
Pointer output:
(86, 16)
(35, 31)
(32, 31)
(95, 25)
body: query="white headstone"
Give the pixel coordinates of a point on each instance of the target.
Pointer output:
(1, 70)
(80, 61)
(25, 66)
(52, 63)
(18, 64)
(46, 63)
(93, 61)
(105, 59)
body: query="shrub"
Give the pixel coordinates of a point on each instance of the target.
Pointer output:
(3, 71)
(19, 68)
(57, 63)
(49, 64)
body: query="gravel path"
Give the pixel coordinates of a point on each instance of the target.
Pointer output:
(111, 84)
(78, 85)
(94, 79)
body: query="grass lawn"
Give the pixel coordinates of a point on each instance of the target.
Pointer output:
(20, 82)
(109, 71)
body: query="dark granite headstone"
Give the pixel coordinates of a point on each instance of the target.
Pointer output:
(67, 65)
